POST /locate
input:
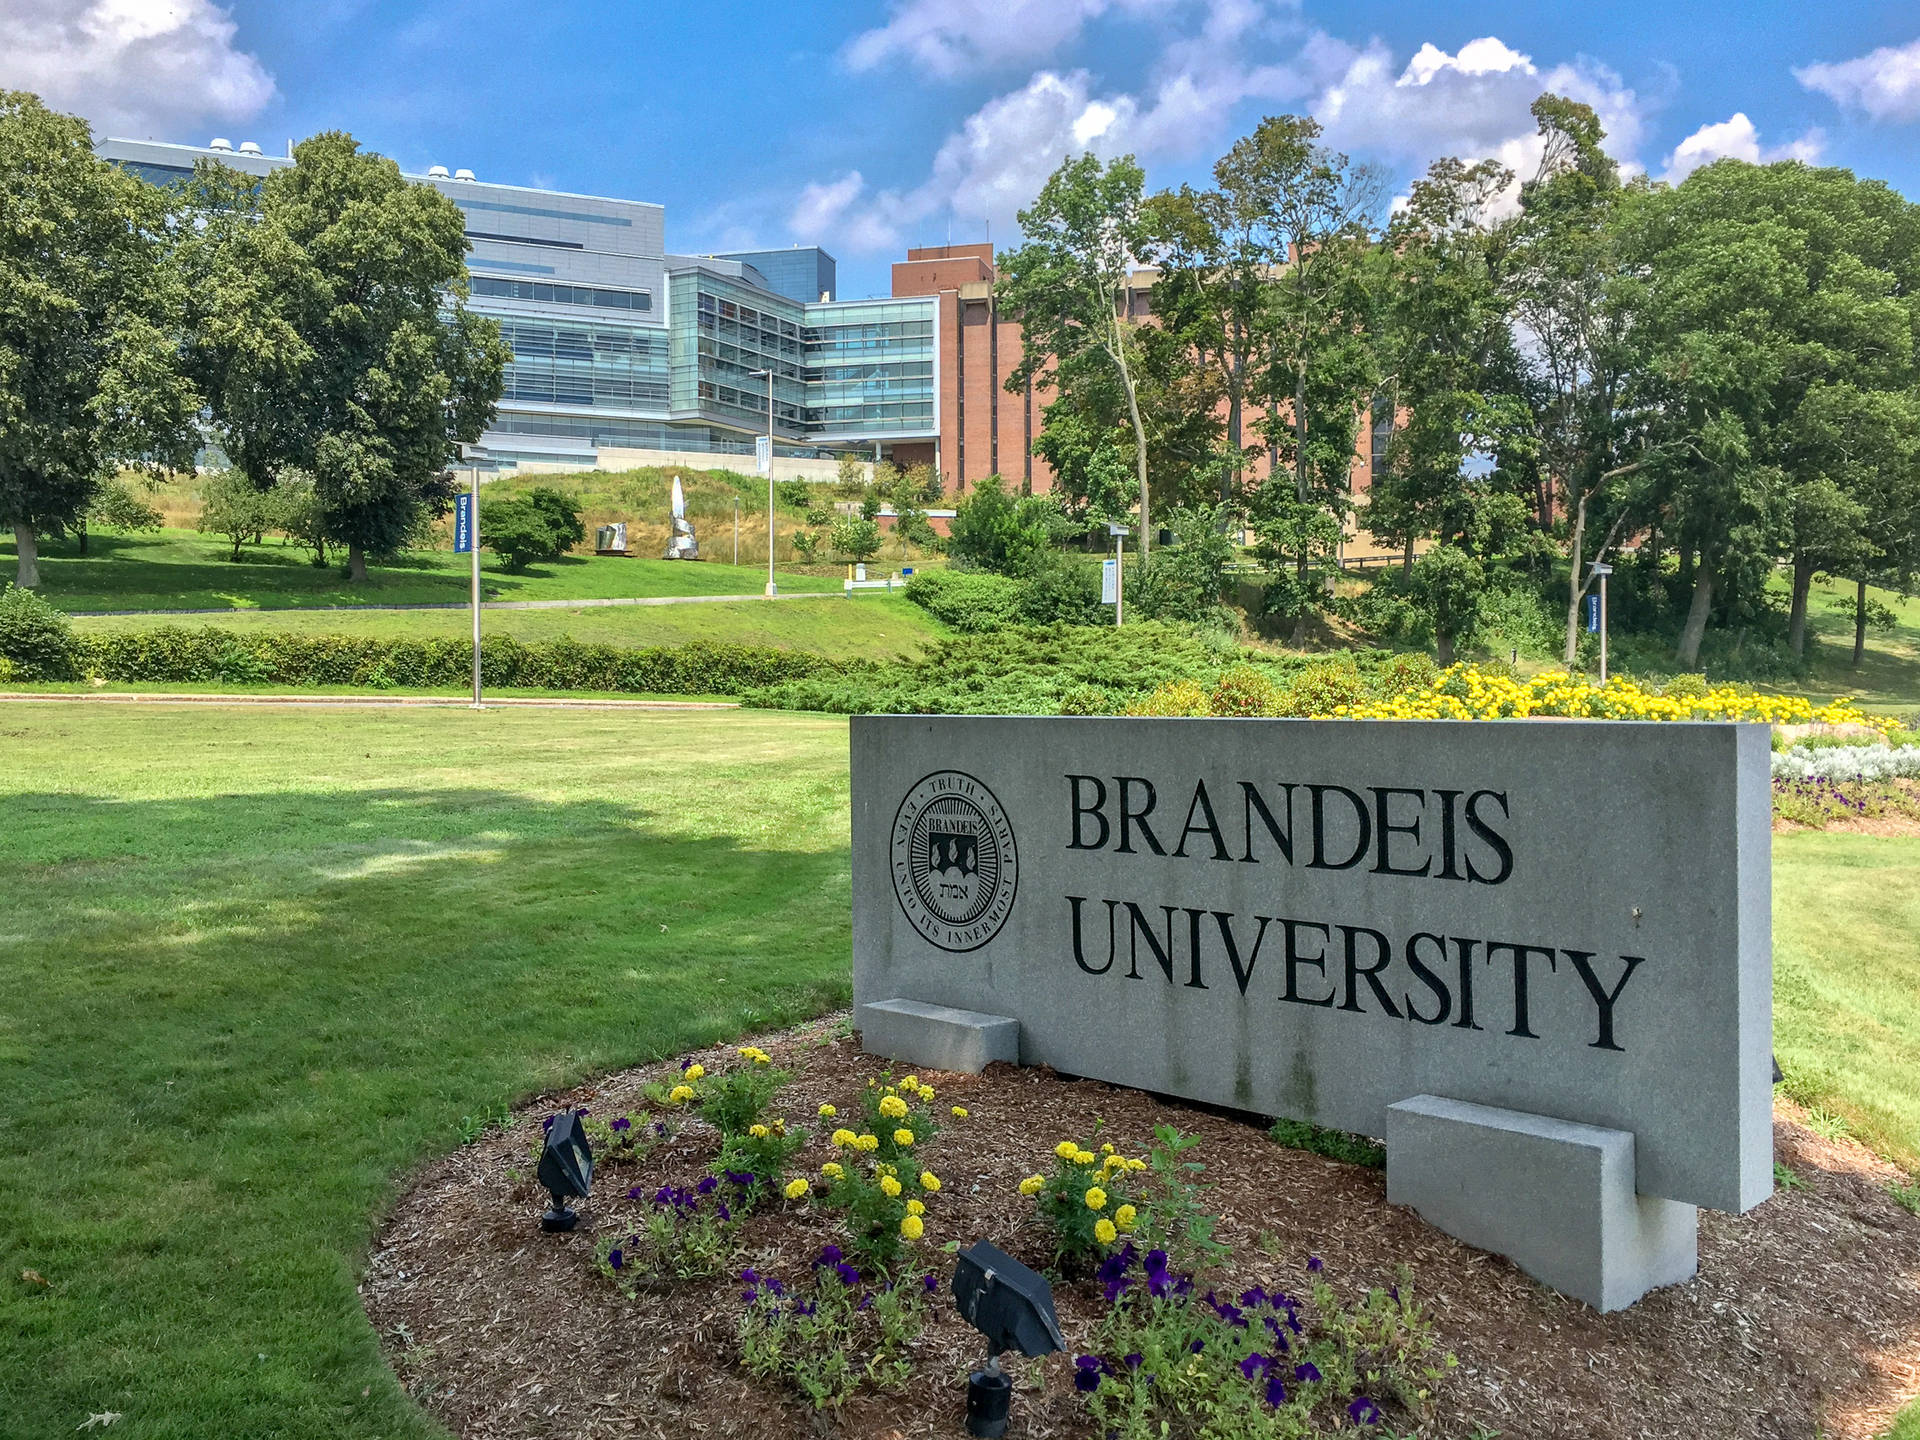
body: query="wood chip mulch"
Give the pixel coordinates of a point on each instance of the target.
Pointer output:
(1804, 1319)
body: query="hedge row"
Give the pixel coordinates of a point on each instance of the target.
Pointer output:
(173, 655)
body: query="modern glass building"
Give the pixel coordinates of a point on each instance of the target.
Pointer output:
(620, 346)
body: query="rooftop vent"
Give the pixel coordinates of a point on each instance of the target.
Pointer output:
(221, 144)
(463, 175)
(249, 147)
(438, 172)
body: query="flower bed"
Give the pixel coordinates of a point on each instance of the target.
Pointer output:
(734, 1284)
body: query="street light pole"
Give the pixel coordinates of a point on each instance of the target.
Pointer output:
(1603, 571)
(772, 589)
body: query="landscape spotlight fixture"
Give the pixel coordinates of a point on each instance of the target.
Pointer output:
(566, 1170)
(1013, 1308)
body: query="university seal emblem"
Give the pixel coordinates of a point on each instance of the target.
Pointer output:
(955, 867)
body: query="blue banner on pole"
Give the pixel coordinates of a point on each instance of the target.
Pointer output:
(1593, 613)
(463, 523)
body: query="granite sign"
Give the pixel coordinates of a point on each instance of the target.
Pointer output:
(1324, 919)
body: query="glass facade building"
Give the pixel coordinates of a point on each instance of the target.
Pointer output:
(619, 345)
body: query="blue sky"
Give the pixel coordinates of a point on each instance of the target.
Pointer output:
(867, 127)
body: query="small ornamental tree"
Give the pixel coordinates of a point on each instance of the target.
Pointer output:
(517, 532)
(562, 516)
(855, 537)
(88, 327)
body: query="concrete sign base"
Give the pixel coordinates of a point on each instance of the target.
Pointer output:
(937, 1037)
(1554, 1197)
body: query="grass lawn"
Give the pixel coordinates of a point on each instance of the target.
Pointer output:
(1846, 914)
(869, 626)
(185, 570)
(253, 966)
(1888, 679)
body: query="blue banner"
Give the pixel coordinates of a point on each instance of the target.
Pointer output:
(1593, 613)
(463, 523)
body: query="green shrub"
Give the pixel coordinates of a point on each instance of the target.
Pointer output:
(1059, 589)
(36, 640)
(518, 532)
(971, 602)
(1338, 1145)
(1686, 687)
(561, 514)
(173, 655)
(1324, 685)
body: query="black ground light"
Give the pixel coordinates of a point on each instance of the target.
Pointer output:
(1013, 1308)
(566, 1170)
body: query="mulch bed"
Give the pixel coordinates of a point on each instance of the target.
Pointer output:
(1803, 1320)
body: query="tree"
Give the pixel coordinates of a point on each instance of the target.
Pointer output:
(1183, 580)
(1446, 583)
(116, 506)
(330, 334)
(233, 506)
(1067, 288)
(1779, 311)
(1006, 534)
(562, 516)
(89, 326)
(855, 537)
(518, 531)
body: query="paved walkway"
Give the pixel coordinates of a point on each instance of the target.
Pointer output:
(484, 604)
(368, 702)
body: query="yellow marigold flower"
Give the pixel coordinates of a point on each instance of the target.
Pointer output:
(758, 1132)
(1125, 1216)
(1136, 1164)
(680, 1094)
(1107, 1149)
(912, 1082)
(912, 1227)
(797, 1188)
(929, 1181)
(1104, 1232)
(960, 1112)
(1083, 1157)
(893, 1107)
(832, 1170)
(868, 1142)
(889, 1187)
(903, 1137)
(1031, 1185)
(926, 1093)
(762, 1059)
(1066, 1149)
(1096, 1198)
(916, 1207)
(694, 1072)
(828, 1111)
(842, 1138)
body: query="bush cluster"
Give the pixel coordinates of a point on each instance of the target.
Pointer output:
(1058, 590)
(38, 644)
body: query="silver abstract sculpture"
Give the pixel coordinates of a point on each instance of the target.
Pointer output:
(681, 544)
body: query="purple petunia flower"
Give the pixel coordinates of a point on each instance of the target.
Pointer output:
(742, 1178)
(829, 1255)
(659, 1127)
(1364, 1412)
(848, 1275)
(664, 1195)
(1232, 1314)
(1255, 1365)
(803, 1307)
(1133, 1360)
(866, 1303)
(1159, 1281)
(1197, 1346)
(723, 1212)
(633, 1192)
(1316, 1264)
(1255, 1297)
(546, 1125)
(1306, 1372)
(615, 1258)
(932, 1282)
(686, 1065)
(1087, 1370)
(779, 1291)
(623, 1123)
(707, 1185)
(1276, 1391)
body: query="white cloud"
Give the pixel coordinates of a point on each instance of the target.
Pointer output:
(952, 37)
(1736, 138)
(1473, 104)
(1884, 84)
(132, 67)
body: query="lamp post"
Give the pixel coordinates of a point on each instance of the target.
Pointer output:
(474, 455)
(767, 461)
(736, 532)
(1119, 533)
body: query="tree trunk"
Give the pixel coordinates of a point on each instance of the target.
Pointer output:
(356, 563)
(1859, 621)
(1695, 630)
(1797, 614)
(80, 533)
(28, 549)
(1576, 589)
(1139, 433)
(1406, 558)
(319, 552)
(1443, 648)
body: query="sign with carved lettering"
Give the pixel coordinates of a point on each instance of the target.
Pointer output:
(1318, 919)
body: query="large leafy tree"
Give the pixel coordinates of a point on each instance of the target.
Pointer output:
(1779, 312)
(89, 326)
(331, 336)
(1067, 287)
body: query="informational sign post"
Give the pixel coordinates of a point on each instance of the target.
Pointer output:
(463, 523)
(763, 455)
(1323, 920)
(1109, 582)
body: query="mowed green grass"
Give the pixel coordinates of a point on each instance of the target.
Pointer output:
(185, 570)
(254, 966)
(867, 626)
(1846, 985)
